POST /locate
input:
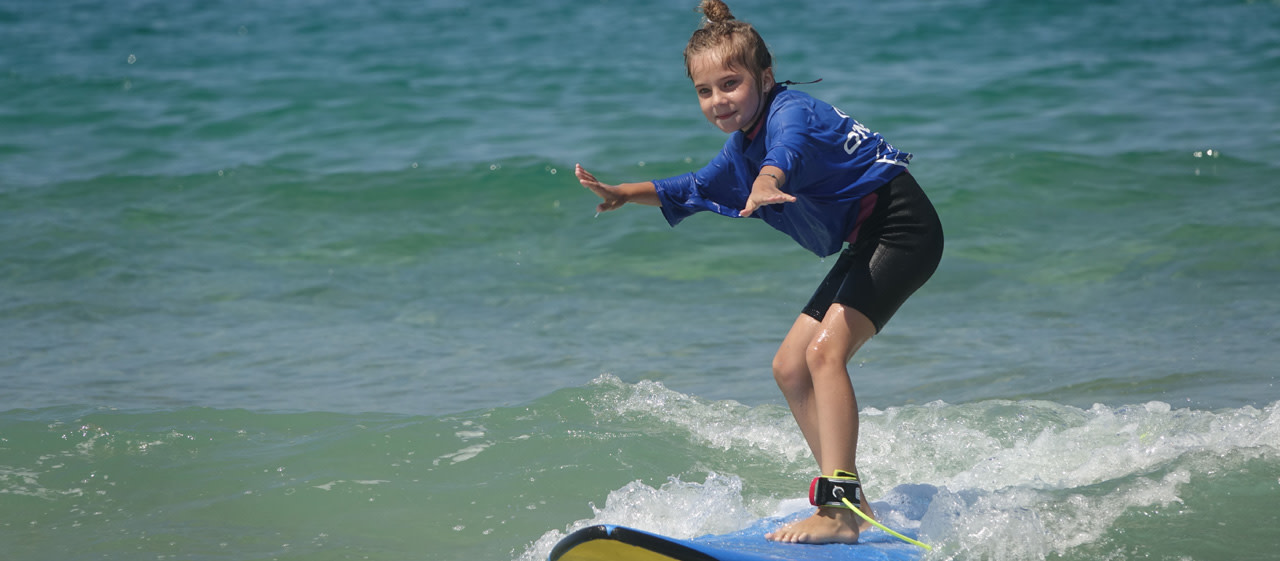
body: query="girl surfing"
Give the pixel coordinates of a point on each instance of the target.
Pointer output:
(834, 186)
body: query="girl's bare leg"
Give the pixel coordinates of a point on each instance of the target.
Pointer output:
(811, 368)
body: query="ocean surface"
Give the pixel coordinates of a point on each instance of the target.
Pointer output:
(313, 280)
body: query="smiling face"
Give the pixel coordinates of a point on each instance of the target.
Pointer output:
(730, 97)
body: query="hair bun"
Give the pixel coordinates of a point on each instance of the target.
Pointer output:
(716, 11)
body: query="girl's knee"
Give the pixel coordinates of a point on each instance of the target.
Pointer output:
(820, 358)
(790, 371)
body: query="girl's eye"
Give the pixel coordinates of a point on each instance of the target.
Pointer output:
(729, 85)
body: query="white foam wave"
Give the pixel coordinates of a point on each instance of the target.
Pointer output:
(1027, 480)
(987, 480)
(721, 425)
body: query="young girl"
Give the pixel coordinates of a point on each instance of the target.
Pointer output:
(822, 178)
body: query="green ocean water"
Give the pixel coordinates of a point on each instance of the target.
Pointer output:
(313, 280)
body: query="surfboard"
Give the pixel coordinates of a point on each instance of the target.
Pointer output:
(620, 543)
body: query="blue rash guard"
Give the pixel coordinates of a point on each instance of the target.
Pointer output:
(831, 161)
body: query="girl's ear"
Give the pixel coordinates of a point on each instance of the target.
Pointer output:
(766, 80)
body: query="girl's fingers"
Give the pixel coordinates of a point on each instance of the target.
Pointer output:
(753, 204)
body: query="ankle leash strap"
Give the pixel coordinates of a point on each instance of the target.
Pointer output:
(842, 489)
(834, 489)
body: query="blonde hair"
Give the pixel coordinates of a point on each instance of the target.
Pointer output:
(737, 41)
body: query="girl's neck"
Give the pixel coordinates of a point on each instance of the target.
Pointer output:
(753, 129)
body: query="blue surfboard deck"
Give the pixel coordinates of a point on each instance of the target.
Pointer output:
(619, 543)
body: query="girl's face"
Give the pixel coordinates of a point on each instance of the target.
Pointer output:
(730, 98)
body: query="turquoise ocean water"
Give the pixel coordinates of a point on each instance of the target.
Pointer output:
(313, 280)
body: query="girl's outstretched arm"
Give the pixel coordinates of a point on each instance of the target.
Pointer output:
(617, 195)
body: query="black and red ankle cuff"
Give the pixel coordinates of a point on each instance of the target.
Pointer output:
(832, 490)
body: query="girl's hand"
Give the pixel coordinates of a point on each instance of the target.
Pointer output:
(766, 191)
(613, 198)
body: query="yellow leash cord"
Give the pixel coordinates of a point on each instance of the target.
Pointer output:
(864, 516)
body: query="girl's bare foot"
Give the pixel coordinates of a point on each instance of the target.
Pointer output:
(827, 525)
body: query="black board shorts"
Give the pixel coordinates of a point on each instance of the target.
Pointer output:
(896, 248)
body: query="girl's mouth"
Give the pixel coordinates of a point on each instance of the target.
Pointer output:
(726, 115)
